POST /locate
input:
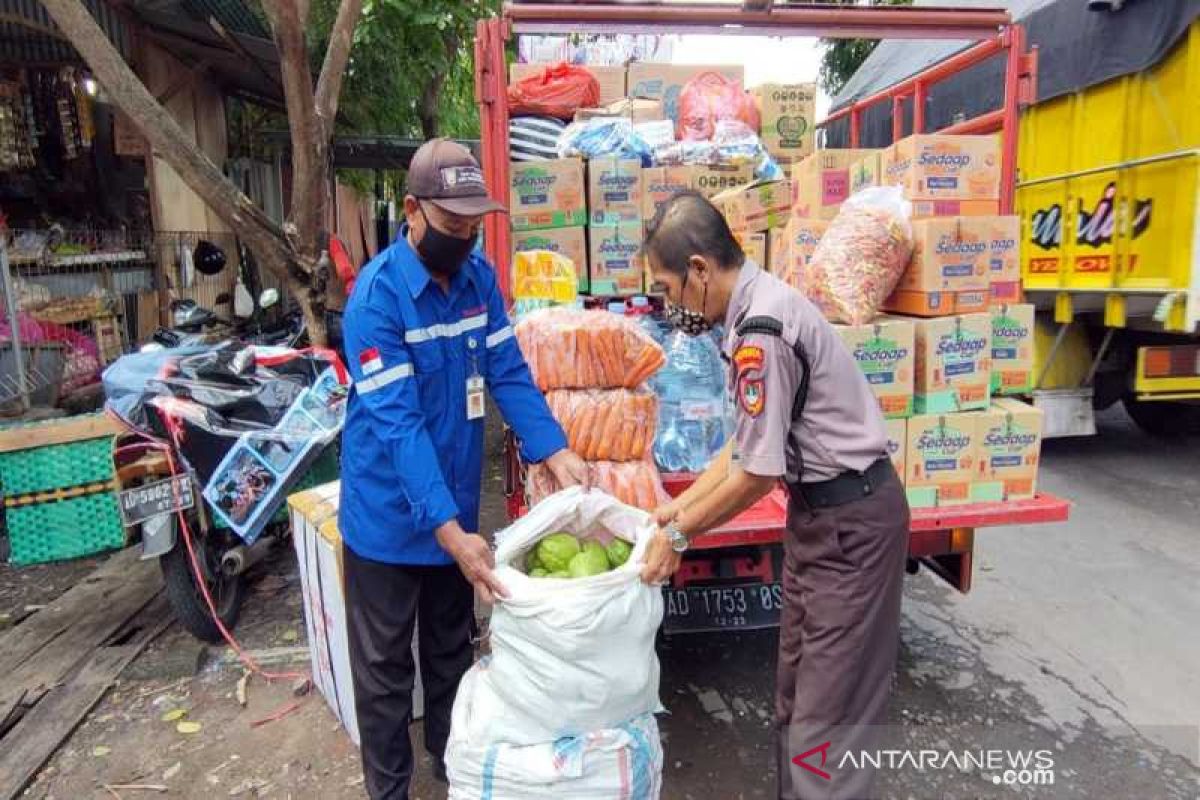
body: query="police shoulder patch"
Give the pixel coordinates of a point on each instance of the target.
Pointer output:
(748, 357)
(752, 393)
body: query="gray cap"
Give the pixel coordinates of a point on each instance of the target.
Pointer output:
(447, 175)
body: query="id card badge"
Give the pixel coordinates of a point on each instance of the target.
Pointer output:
(475, 397)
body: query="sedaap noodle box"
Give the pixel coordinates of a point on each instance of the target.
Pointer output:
(949, 255)
(1004, 256)
(614, 259)
(546, 194)
(941, 459)
(797, 243)
(953, 363)
(884, 352)
(568, 242)
(821, 182)
(659, 184)
(1010, 443)
(897, 445)
(1012, 348)
(944, 167)
(614, 190)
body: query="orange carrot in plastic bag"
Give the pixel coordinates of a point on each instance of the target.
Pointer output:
(574, 349)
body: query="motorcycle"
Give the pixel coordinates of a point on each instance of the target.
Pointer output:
(217, 436)
(193, 324)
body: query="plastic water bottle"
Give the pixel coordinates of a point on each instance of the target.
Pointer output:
(692, 409)
(640, 309)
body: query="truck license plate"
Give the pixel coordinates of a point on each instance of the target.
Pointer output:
(161, 497)
(744, 606)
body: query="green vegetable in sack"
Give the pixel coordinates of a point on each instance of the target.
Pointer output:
(538, 572)
(618, 551)
(555, 552)
(592, 560)
(560, 574)
(532, 562)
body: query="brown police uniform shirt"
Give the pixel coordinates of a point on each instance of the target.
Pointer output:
(842, 427)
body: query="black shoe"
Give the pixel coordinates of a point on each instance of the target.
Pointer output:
(439, 770)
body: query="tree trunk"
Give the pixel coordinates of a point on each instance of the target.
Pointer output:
(428, 109)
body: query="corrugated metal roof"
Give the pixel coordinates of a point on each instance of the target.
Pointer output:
(29, 36)
(234, 15)
(894, 59)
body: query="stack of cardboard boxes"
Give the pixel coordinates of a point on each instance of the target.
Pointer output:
(594, 212)
(957, 337)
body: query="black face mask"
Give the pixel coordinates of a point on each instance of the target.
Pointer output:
(690, 322)
(442, 253)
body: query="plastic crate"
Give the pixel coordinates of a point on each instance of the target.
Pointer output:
(62, 529)
(55, 466)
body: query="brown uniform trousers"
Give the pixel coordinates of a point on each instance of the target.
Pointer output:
(839, 634)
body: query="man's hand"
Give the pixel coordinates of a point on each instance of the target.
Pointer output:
(475, 559)
(661, 559)
(569, 469)
(665, 513)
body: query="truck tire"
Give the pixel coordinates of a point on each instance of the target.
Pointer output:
(1163, 417)
(185, 597)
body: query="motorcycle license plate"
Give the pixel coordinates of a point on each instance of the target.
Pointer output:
(744, 606)
(161, 497)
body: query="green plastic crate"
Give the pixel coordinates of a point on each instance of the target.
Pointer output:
(62, 529)
(56, 466)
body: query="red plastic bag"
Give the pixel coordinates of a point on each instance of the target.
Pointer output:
(710, 97)
(559, 90)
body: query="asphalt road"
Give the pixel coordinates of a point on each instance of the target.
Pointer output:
(1081, 638)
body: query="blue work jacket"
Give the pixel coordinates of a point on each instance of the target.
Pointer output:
(411, 459)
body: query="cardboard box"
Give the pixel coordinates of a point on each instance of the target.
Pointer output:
(886, 353)
(1010, 444)
(821, 182)
(568, 242)
(953, 363)
(614, 261)
(944, 167)
(1004, 254)
(754, 245)
(949, 255)
(638, 110)
(897, 433)
(665, 81)
(941, 459)
(787, 113)
(757, 207)
(1005, 292)
(710, 181)
(1012, 348)
(546, 194)
(866, 172)
(614, 190)
(937, 304)
(659, 184)
(797, 243)
(318, 546)
(611, 79)
(777, 251)
(925, 207)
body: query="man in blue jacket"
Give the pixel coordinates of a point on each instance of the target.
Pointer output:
(425, 333)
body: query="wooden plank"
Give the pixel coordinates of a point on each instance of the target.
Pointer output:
(116, 604)
(35, 738)
(74, 429)
(22, 641)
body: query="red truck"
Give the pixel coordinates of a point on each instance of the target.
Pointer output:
(730, 577)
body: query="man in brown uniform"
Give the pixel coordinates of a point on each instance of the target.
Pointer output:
(805, 415)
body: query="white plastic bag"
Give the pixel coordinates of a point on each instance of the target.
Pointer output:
(621, 762)
(569, 656)
(861, 255)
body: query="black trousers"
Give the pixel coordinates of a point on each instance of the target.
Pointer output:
(382, 602)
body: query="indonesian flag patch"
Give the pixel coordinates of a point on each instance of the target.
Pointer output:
(370, 361)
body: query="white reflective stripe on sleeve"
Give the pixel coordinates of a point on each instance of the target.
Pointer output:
(381, 379)
(445, 330)
(496, 337)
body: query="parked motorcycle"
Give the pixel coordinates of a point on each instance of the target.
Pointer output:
(217, 437)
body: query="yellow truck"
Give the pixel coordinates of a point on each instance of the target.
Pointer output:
(1108, 191)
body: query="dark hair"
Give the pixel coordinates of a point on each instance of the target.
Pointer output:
(686, 225)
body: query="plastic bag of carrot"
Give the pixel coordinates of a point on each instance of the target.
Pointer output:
(606, 424)
(573, 349)
(635, 483)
